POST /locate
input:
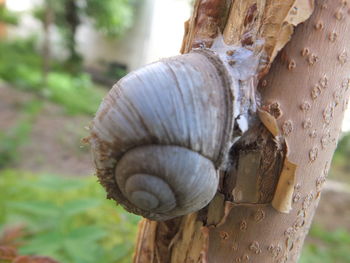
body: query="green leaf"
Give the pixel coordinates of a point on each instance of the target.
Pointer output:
(122, 251)
(71, 225)
(81, 252)
(39, 208)
(59, 183)
(87, 234)
(79, 206)
(43, 244)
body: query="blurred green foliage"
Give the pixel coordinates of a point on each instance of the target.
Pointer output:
(112, 17)
(21, 65)
(76, 93)
(64, 82)
(327, 247)
(15, 137)
(7, 16)
(340, 164)
(342, 152)
(66, 218)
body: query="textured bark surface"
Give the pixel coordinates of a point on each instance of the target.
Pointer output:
(306, 93)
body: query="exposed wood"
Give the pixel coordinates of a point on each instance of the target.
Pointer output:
(207, 20)
(248, 21)
(145, 249)
(282, 200)
(269, 121)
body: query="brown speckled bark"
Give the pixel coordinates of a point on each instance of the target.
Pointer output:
(307, 90)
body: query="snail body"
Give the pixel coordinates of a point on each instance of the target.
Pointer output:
(161, 134)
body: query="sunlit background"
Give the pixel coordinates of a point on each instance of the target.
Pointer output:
(57, 60)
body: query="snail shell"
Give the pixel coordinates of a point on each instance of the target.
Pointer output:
(160, 135)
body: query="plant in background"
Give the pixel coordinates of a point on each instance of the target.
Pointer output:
(7, 16)
(343, 150)
(327, 246)
(76, 93)
(63, 218)
(9, 242)
(14, 138)
(20, 63)
(111, 17)
(27, 66)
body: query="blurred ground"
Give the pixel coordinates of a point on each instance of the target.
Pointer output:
(55, 139)
(334, 210)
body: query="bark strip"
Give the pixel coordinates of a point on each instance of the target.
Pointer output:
(282, 200)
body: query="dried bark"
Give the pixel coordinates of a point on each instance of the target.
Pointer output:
(285, 157)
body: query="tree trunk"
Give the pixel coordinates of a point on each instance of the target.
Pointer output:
(72, 22)
(48, 20)
(266, 201)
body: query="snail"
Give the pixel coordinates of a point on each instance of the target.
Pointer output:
(162, 134)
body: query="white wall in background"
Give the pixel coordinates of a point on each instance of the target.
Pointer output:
(167, 28)
(130, 50)
(157, 33)
(21, 5)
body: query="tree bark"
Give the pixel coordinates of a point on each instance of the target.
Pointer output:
(71, 15)
(46, 50)
(266, 201)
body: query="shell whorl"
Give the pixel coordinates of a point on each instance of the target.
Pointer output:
(151, 176)
(161, 133)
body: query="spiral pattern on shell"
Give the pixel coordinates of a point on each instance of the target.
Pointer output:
(161, 133)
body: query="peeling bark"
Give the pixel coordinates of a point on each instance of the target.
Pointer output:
(284, 158)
